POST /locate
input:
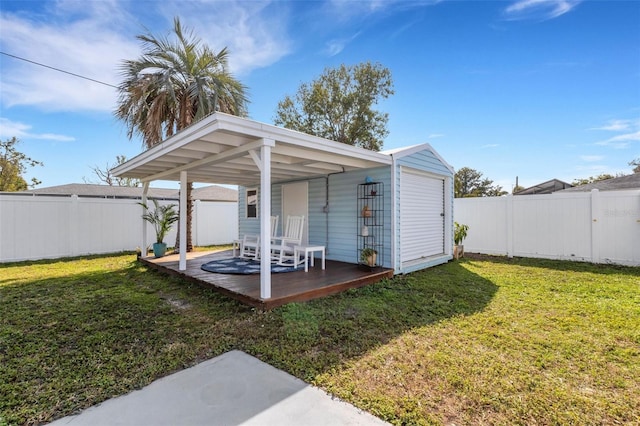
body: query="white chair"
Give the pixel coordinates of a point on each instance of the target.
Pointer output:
(282, 248)
(250, 245)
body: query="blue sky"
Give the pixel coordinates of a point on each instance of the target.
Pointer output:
(530, 88)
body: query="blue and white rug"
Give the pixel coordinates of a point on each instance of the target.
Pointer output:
(243, 266)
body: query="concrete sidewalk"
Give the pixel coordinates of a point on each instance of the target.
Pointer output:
(232, 389)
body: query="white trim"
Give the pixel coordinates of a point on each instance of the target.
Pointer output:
(145, 190)
(405, 152)
(265, 221)
(182, 265)
(246, 203)
(395, 205)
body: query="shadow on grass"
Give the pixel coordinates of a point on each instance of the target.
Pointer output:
(75, 340)
(314, 337)
(558, 265)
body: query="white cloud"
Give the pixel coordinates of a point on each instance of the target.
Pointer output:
(85, 46)
(621, 141)
(92, 38)
(629, 132)
(491, 145)
(618, 125)
(435, 135)
(539, 9)
(591, 158)
(255, 32)
(9, 129)
(336, 46)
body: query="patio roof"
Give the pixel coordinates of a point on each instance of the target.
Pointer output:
(223, 149)
(226, 149)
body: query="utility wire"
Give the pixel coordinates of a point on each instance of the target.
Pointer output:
(59, 70)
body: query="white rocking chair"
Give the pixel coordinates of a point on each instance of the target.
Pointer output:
(282, 251)
(250, 245)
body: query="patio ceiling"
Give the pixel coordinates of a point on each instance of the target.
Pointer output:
(224, 149)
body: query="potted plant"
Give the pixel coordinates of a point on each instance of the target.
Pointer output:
(369, 256)
(162, 218)
(459, 234)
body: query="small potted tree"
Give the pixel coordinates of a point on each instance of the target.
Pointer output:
(369, 256)
(459, 234)
(162, 218)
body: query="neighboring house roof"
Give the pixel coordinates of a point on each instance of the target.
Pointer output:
(623, 182)
(214, 193)
(547, 187)
(207, 193)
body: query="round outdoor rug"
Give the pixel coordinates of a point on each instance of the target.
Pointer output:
(243, 267)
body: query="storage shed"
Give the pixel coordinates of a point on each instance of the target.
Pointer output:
(415, 216)
(283, 172)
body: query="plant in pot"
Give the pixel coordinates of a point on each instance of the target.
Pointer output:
(459, 234)
(369, 256)
(162, 218)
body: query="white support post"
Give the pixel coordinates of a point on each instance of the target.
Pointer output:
(182, 265)
(265, 218)
(595, 228)
(143, 248)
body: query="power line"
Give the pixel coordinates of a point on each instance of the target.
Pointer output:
(59, 70)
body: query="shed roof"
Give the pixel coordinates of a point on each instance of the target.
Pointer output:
(223, 148)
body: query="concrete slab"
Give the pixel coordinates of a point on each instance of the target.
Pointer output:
(232, 389)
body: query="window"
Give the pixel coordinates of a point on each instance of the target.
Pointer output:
(252, 203)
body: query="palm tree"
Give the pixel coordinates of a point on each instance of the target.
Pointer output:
(173, 84)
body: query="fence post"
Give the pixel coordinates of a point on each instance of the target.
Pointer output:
(509, 225)
(595, 227)
(73, 223)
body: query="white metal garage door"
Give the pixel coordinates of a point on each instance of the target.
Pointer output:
(421, 215)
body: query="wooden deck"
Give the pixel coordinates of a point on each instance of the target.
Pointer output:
(286, 287)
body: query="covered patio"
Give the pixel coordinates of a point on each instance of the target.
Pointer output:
(287, 287)
(225, 149)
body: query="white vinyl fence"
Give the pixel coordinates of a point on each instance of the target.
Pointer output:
(39, 227)
(598, 227)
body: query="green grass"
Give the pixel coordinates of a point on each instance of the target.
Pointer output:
(480, 341)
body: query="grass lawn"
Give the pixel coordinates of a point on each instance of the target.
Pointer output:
(479, 341)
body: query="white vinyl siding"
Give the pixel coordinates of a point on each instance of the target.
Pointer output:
(421, 216)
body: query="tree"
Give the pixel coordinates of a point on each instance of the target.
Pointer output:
(105, 175)
(173, 84)
(13, 164)
(338, 105)
(469, 183)
(635, 163)
(517, 188)
(592, 179)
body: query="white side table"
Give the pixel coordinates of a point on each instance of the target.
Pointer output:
(308, 250)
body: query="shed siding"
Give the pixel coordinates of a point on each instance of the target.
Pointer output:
(337, 228)
(252, 225)
(317, 218)
(425, 161)
(343, 214)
